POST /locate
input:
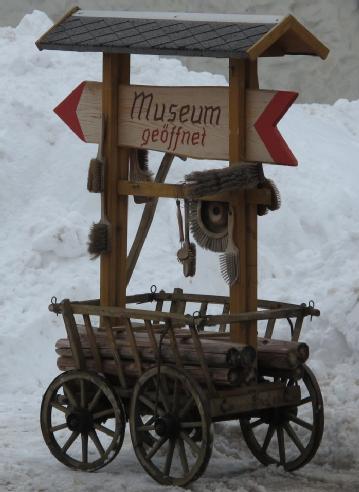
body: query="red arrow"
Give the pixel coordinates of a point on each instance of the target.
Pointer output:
(67, 110)
(266, 126)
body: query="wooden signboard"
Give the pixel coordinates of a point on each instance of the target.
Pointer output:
(188, 121)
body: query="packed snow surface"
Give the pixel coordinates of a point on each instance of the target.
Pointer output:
(309, 250)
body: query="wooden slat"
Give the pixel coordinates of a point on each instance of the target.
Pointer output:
(167, 190)
(92, 341)
(173, 341)
(151, 336)
(297, 328)
(222, 326)
(178, 305)
(116, 355)
(199, 349)
(132, 341)
(73, 334)
(116, 70)
(270, 328)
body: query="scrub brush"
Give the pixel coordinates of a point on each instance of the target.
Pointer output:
(229, 260)
(275, 198)
(241, 176)
(139, 171)
(99, 235)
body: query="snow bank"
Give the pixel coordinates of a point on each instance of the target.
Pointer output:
(308, 250)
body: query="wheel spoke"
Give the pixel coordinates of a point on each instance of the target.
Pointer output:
(83, 393)
(293, 436)
(110, 412)
(306, 400)
(105, 430)
(156, 447)
(56, 428)
(84, 443)
(143, 399)
(70, 395)
(175, 397)
(163, 395)
(93, 435)
(258, 422)
(281, 445)
(95, 400)
(187, 406)
(300, 422)
(190, 425)
(183, 456)
(145, 428)
(268, 437)
(70, 441)
(169, 457)
(59, 407)
(196, 450)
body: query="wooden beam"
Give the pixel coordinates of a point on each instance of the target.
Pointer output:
(251, 234)
(116, 71)
(237, 127)
(166, 190)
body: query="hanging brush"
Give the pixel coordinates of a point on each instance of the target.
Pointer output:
(209, 224)
(99, 235)
(237, 177)
(139, 171)
(229, 260)
(275, 198)
(187, 252)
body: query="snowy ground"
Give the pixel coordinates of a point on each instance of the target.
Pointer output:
(308, 250)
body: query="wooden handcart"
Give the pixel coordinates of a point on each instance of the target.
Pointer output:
(123, 372)
(173, 370)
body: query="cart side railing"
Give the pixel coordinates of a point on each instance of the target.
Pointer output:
(157, 325)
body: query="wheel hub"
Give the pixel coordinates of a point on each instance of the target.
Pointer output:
(80, 421)
(167, 426)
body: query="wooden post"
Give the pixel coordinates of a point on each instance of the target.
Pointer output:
(243, 294)
(116, 71)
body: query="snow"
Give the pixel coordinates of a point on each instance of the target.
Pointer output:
(308, 250)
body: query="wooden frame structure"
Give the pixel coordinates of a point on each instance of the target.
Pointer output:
(138, 384)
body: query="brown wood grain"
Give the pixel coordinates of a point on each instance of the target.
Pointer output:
(116, 70)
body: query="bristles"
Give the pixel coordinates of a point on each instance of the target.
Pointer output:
(99, 240)
(217, 243)
(139, 170)
(95, 176)
(275, 194)
(275, 198)
(229, 264)
(239, 177)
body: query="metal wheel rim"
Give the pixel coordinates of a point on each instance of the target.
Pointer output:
(199, 406)
(279, 432)
(115, 412)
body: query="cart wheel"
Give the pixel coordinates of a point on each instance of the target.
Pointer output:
(82, 421)
(167, 410)
(298, 429)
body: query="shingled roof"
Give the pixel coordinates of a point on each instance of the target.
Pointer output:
(185, 34)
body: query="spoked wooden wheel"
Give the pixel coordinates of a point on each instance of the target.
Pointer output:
(170, 426)
(82, 420)
(288, 436)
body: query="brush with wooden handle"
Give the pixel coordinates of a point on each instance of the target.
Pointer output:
(99, 235)
(229, 260)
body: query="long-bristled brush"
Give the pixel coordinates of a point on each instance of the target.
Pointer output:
(139, 171)
(229, 260)
(100, 233)
(276, 201)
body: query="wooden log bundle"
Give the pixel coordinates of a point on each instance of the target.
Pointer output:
(228, 362)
